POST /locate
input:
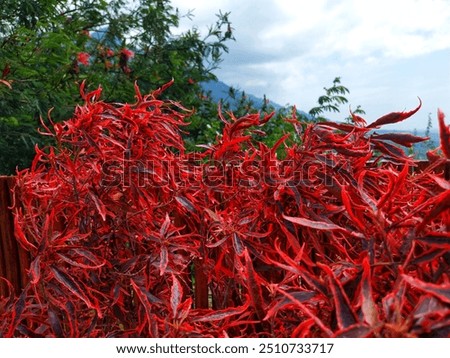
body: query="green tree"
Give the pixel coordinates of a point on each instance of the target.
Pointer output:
(329, 102)
(48, 47)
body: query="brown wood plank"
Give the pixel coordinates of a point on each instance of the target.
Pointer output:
(14, 261)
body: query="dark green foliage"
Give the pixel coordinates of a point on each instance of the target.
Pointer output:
(331, 100)
(48, 47)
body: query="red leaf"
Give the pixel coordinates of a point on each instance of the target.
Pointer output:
(80, 264)
(55, 323)
(222, 314)
(428, 256)
(301, 296)
(292, 239)
(441, 205)
(164, 259)
(6, 70)
(368, 306)
(141, 294)
(444, 184)
(20, 235)
(35, 270)
(390, 150)
(99, 205)
(175, 296)
(237, 244)
(349, 208)
(319, 225)
(404, 139)
(308, 312)
(186, 203)
(436, 239)
(94, 261)
(19, 308)
(345, 315)
(444, 132)
(441, 291)
(254, 285)
(355, 331)
(160, 90)
(394, 117)
(165, 226)
(73, 287)
(230, 145)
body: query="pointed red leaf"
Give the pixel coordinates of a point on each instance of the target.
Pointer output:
(55, 323)
(253, 282)
(141, 294)
(73, 286)
(222, 314)
(237, 244)
(319, 225)
(444, 133)
(444, 184)
(394, 117)
(35, 270)
(80, 264)
(163, 260)
(175, 295)
(20, 235)
(308, 312)
(165, 226)
(368, 306)
(345, 315)
(357, 330)
(186, 203)
(99, 205)
(436, 239)
(441, 291)
(404, 139)
(302, 296)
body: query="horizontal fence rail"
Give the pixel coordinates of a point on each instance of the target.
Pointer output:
(15, 261)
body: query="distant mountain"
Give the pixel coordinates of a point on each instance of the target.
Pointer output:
(220, 91)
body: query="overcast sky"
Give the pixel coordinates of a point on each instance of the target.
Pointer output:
(387, 53)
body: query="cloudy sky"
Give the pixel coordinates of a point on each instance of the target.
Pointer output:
(387, 53)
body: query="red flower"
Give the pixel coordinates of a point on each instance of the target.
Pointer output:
(83, 58)
(127, 53)
(109, 53)
(191, 81)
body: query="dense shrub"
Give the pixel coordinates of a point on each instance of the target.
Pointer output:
(132, 236)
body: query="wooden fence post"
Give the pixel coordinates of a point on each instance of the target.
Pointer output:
(14, 261)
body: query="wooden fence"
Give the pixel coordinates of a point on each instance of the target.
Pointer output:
(15, 261)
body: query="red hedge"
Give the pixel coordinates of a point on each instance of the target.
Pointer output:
(130, 236)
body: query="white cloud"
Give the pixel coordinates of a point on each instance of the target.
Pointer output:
(395, 29)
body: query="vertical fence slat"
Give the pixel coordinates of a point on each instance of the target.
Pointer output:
(14, 261)
(9, 254)
(3, 218)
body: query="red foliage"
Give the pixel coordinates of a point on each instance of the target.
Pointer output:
(131, 236)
